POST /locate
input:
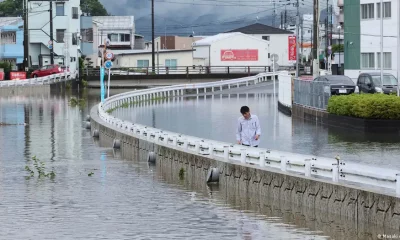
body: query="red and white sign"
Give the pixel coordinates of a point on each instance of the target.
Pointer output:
(17, 75)
(239, 55)
(292, 48)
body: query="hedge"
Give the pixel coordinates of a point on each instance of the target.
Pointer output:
(370, 106)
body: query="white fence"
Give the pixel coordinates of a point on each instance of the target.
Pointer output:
(60, 77)
(285, 90)
(335, 169)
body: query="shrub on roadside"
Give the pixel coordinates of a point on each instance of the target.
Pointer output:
(371, 106)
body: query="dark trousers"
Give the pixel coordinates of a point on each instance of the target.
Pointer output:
(248, 145)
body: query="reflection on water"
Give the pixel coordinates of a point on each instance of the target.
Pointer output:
(215, 117)
(123, 199)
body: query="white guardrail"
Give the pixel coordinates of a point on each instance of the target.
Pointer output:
(59, 77)
(335, 169)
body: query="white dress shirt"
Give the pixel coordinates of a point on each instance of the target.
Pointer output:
(247, 129)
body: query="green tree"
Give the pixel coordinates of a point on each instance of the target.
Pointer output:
(13, 8)
(93, 7)
(337, 48)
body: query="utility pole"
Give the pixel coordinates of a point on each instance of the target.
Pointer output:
(281, 26)
(26, 34)
(302, 35)
(381, 13)
(273, 20)
(331, 42)
(51, 34)
(398, 51)
(315, 39)
(297, 40)
(285, 19)
(153, 60)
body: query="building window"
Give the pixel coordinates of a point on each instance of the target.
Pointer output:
(142, 63)
(60, 33)
(113, 37)
(265, 38)
(367, 11)
(60, 9)
(8, 38)
(387, 10)
(367, 60)
(87, 35)
(75, 13)
(125, 37)
(75, 39)
(387, 60)
(171, 63)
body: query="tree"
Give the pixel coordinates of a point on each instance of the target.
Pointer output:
(93, 7)
(13, 8)
(337, 48)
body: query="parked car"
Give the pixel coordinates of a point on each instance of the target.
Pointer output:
(335, 84)
(372, 83)
(47, 70)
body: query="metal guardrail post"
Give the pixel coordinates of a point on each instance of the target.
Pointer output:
(283, 163)
(226, 153)
(211, 149)
(262, 159)
(398, 184)
(243, 155)
(307, 170)
(197, 146)
(335, 172)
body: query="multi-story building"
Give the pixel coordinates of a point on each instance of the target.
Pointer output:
(278, 40)
(11, 40)
(118, 32)
(66, 29)
(362, 36)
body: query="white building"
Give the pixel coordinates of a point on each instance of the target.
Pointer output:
(231, 49)
(66, 29)
(142, 59)
(119, 30)
(362, 36)
(278, 40)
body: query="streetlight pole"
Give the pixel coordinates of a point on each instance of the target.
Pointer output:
(153, 60)
(381, 13)
(340, 64)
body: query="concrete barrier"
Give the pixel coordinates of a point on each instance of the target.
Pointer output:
(345, 201)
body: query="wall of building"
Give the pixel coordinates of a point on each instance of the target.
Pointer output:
(13, 49)
(240, 41)
(363, 36)
(39, 31)
(86, 30)
(201, 54)
(278, 44)
(182, 59)
(185, 42)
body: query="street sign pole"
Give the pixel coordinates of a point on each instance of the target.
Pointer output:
(108, 86)
(108, 64)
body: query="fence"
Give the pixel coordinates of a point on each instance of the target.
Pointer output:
(60, 77)
(250, 70)
(314, 94)
(335, 169)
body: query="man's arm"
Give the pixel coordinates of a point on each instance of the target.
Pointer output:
(258, 129)
(238, 131)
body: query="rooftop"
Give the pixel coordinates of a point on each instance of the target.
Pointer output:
(114, 22)
(133, 52)
(208, 40)
(259, 28)
(5, 21)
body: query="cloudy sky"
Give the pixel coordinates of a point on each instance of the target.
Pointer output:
(172, 15)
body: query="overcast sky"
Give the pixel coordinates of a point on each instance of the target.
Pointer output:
(196, 8)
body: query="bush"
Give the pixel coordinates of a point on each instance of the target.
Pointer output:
(371, 106)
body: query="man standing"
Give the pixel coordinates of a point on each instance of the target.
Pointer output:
(248, 128)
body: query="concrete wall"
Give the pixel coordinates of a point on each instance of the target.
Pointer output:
(359, 206)
(183, 59)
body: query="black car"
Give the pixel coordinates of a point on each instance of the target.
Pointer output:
(336, 84)
(372, 83)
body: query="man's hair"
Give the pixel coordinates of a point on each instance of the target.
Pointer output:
(244, 109)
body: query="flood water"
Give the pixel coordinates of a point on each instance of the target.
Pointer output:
(97, 195)
(215, 117)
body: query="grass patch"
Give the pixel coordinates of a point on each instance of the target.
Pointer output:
(77, 102)
(128, 104)
(40, 168)
(368, 106)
